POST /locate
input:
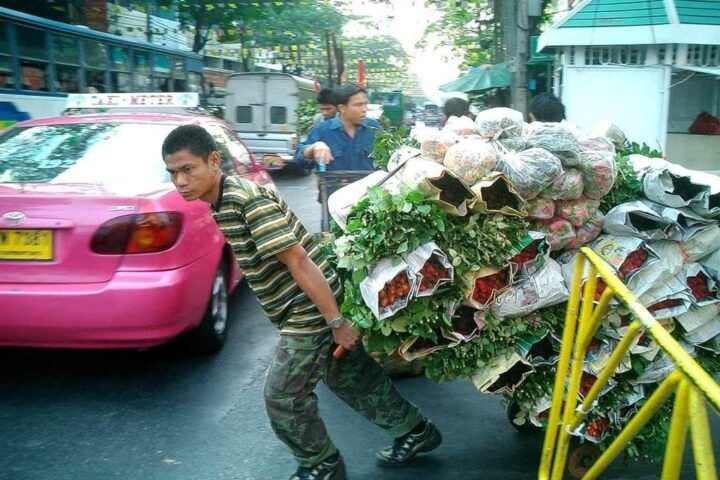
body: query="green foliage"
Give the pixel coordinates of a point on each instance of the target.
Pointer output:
(388, 141)
(306, 111)
(627, 186)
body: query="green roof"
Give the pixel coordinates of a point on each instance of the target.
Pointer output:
(705, 12)
(620, 13)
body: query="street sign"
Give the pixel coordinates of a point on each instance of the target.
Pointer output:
(135, 100)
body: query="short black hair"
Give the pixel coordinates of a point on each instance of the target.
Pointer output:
(457, 107)
(326, 96)
(191, 137)
(344, 92)
(546, 107)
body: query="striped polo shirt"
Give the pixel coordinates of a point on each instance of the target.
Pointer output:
(258, 224)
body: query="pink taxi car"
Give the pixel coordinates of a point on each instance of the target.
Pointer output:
(97, 249)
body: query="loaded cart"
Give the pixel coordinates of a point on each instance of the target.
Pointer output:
(464, 260)
(329, 182)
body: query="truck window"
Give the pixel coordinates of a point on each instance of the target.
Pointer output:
(278, 115)
(243, 114)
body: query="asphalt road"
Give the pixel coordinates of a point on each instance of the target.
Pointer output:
(159, 415)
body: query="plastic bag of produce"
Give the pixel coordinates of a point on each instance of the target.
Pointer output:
(541, 207)
(495, 194)
(568, 186)
(482, 286)
(499, 123)
(341, 201)
(673, 186)
(578, 212)
(599, 172)
(466, 324)
(667, 299)
(470, 159)
(636, 218)
(513, 144)
(402, 155)
(556, 138)
(440, 184)
(419, 347)
(701, 284)
(388, 288)
(503, 374)
(595, 143)
(431, 268)
(559, 232)
(530, 171)
(543, 288)
(531, 255)
(610, 131)
(460, 125)
(589, 231)
(436, 144)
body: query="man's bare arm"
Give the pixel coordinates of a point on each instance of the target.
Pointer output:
(312, 281)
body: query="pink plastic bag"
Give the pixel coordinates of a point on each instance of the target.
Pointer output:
(588, 232)
(578, 212)
(541, 208)
(568, 186)
(559, 232)
(599, 172)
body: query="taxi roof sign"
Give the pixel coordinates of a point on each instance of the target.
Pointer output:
(133, 100)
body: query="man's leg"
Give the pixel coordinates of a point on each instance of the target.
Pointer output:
(363, 384)
(299, 363)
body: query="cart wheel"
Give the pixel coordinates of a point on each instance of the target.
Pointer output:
(528, 427)
(581, 457)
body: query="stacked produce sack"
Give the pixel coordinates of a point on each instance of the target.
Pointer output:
(461, 259)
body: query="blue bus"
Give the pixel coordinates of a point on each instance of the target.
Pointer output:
(42, 61)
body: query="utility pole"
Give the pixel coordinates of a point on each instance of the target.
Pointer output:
(516, 29)
(148, 25)
(329, 59)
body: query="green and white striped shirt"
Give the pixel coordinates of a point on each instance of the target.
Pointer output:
(258, 224)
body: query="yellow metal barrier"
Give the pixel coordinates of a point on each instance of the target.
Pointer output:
(691, 384)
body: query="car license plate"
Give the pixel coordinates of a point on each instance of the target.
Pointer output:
(26, 245)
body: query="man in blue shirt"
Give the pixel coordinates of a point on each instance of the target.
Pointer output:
(345, 141)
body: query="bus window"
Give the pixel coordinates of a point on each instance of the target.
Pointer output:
(34, 66)
(95, 61)
(162, 68)
(141, 68)
(7, 78)
(120, 69)
(67, 63)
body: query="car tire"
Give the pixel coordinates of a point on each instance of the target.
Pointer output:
(209, 337)
(303, 172)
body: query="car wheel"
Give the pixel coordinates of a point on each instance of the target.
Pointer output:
(209, 336)
(303, 172)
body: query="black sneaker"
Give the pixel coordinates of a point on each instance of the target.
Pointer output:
(332, 468)
(406, 447)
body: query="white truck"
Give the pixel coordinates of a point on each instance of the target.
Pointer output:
(262, 108)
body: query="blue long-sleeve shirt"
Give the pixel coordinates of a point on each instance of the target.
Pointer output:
(349, 153)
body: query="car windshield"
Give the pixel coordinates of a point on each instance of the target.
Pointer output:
(99, 153)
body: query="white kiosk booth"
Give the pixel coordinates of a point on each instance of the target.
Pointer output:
(650, 67)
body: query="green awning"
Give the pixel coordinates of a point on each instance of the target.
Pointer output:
(538, 57)
(480, 78)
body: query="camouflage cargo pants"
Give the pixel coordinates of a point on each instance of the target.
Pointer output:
(300, 362)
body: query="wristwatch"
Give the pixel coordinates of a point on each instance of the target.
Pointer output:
(337, 323)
